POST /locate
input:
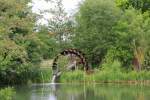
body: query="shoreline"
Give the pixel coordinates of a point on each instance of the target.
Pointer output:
(130, 82)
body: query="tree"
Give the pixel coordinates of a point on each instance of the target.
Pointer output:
(16, 18)
(60, 23)
(104, 31)
(50, 47)
(133, 30)
(94, 30)
(20, 47)
(143, 5)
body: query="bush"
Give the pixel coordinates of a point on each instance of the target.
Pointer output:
(7, 94)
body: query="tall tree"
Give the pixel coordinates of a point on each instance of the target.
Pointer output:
(133, 30)
(105, 31)
(94, 31)
(60, 23)
(19, 46)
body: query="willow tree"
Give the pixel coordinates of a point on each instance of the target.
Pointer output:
(94, 29)
(104, 31)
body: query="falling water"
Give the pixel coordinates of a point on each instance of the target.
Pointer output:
(53, 79)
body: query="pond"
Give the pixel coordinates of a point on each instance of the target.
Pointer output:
(82, 92)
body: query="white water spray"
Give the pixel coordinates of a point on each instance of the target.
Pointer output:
(55, 76)
(58, 73)
(53, 79)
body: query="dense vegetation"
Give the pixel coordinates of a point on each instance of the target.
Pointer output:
(21, 48)
(113, 34)
(7, 93)
(106, 31)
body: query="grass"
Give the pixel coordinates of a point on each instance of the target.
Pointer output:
(99, 76)
(7, 93)
(75, 76)
(105, 76)
(43, 75)
(110, 72)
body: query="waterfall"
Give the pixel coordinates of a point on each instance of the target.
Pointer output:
(57, 73)
(53, 79)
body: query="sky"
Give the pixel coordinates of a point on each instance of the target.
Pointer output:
(69, 5)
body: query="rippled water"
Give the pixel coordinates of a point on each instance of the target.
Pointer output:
(83, 92)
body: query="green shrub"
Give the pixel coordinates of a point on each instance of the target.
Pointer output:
(7, 94)
(113, 67)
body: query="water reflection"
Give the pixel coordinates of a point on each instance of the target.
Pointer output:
(83, 92)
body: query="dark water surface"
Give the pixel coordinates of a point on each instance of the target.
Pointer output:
(83, 92)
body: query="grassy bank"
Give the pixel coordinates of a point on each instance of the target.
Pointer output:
(106, 77)
(109, 72)
(7, 94)
(43, 75)
(98, 76)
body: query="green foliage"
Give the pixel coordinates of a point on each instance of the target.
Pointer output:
(61, 24)
(16, 18)
(143, 5)
(94, 32)
(42, 75)
(122, 3)
(20, 47)
(49, 46)
(7, 94)
(147, 61)
(11, 54)
(119, 54)
(111, 72)
(106, 76)
(113, 67)
(72, 77)
(109, 37)
(13, 62)
(133, 30)
(103, 30)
